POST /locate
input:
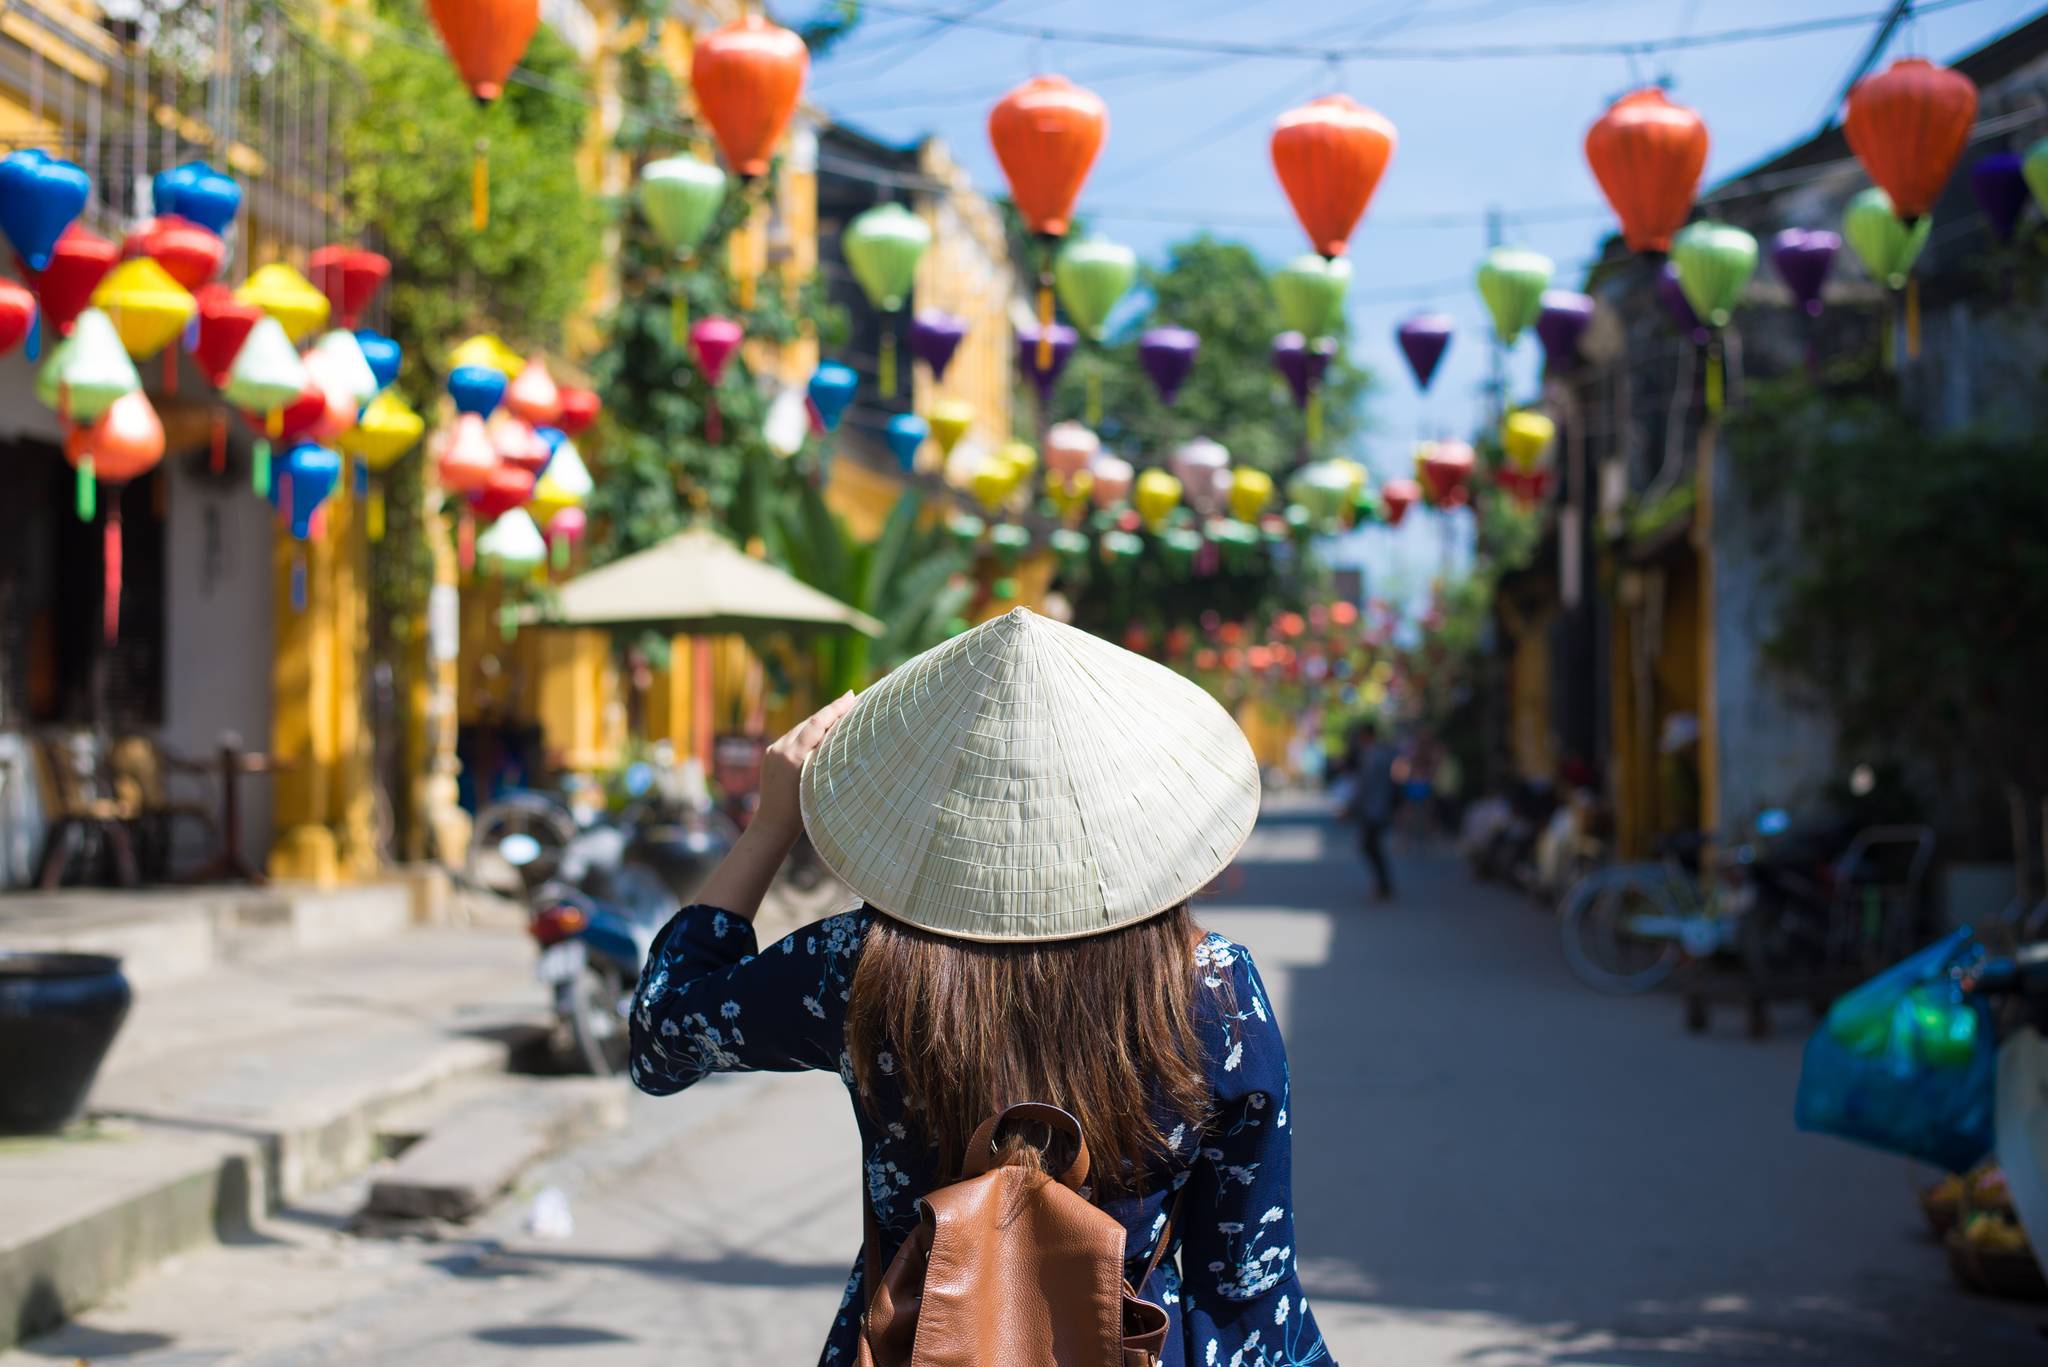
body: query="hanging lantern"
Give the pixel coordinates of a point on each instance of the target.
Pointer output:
(1330, 154)
(566, 530)
(387, 429)
(1070, 448)
(905, 434)
(1908, 124)
(125, 443)
(2034, 166)
(882, 247)
(1310, 291)
(1069, 545)
(304, 478)
(681, 197)
(1250, 491)
(1446, 470)
(489, 351)
(1198, 464)
(1092, 275)
(336, 392)
(1999, 183)
(1526, 437)
(565, 483)
(1715, 262)
(1801, 258)
(467, 457)
(381, 354)
(1678, 307)
(485, 39)
(1302, 365)
(949, 420)
(224, 324)
(1511, 282)
(1069, 493)
(831, 391)
(190, 254)
(714, 341)
(1042, 360)
(1423, 339)
(1019, 456)
(287, 296)
(1155, 495)
(580, 408)
(40, 196)
(506, 487)
(87, 371)
(299, 418)
(77, 264)
(993, 485)
(1560, 324)
(748, 77)
(341, 359)
(477, 389)
(1397, 496)
(533, 395)
(147, 306)
(265, 375)
(17, 314)
(1647, 153)
(1882, 240)
(198, 192)
(1047, 133)
(511, 548)
(1324, 490)
(520, 447)
(1167, 356)
(934, 336)
(349, 277)
(1111, 478)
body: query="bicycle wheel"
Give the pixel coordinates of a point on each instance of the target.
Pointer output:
(528, 813)
(1600, 944)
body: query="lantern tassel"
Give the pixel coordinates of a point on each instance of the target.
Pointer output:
(1094, 397)
(110, 573)
(558, 552)
(362, 479)
(465, 542)
(373, 513)
(217, 451)
(34, 348)
(1315, 417)
(480, 186)
(1715, 379)
(298, 578)
(1045, 322)
(1912, 318)
(88, 490)
(170, 370)
(714, 423)
(679, 317)
(508, 620)
(273, 423)
(886, 378)
(259, 468)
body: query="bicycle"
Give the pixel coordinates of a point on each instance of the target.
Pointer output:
(1628, 928)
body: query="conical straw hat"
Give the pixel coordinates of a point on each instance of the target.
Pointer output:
(1028, 781)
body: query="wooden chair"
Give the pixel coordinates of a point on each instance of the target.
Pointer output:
(142, 771)
(81, 810)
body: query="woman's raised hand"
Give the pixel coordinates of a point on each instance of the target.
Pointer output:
(783, 766)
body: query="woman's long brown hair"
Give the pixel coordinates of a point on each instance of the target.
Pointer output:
(1102, 1027)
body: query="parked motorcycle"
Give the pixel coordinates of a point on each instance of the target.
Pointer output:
(2022, 1106)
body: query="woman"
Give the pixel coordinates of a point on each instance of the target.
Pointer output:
(1025, 811)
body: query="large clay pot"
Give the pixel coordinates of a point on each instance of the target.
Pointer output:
(58, 1014)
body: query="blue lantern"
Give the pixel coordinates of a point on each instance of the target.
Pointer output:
(382, 353)
(552, 438)
(197, 192)
(39, 198)
(476, 389)
(906, 433)
(832, 388)
(306, 474)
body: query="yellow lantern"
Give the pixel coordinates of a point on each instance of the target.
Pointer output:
(1527, 435)
(147, 306)
(1354, 473)
(387, 429)
(949, 420)
(1069, 493)
(287, 296)
(1020, 457)
(488, 350)
(1155, 496)
(1250, 491)
(993, 483)
(565, 484)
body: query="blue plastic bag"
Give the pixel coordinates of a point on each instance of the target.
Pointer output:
(1908, 1062)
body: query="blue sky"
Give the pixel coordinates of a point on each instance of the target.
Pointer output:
(1187, 141)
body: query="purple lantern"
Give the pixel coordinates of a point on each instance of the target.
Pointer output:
(1302, 364)
(1560, 325)
(1423, 339)
(1679, 307)
(1168, 354)
(934, 336)
(2001, 191)
(1063, 339)
(1801, 258)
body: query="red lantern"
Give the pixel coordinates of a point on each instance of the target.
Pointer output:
(580, 408)
(467, 458)
(79, 261)
(350, 278)
(17, 314)
(1445, 468)
(505, 488)
(1396, 497)
(1047, 133)
(485, 39)
(224, 324)
(304, 416)
(1330, 154)
(748, 76)
(190, 253)
(1647, 153)
(534, 395)
(519, 446)
(1908, 124)
(126, 442)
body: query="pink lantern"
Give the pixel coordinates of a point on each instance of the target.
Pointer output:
(533, 394)
(1069, 447)
(467, 457)
(565, 532)
(713, 341)
(1112, 480)
(518, 445)
(340, 410)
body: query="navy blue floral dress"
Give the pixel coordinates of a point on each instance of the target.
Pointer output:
(711, 1001)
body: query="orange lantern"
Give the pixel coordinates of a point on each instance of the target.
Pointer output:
(747, 76)
(126, 442)
(1908, 124)
(485, 39)
(1647, 153)
(1047, 133)
(1330, 154)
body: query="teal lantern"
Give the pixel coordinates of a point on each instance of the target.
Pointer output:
(882, 247)
(1512, 281)
(1310, 292)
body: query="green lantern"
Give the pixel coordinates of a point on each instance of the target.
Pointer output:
(965, 528)
(1121, 546)
(1881, 239)
(1715, 262)
(1310, 292)
(88, 370)
(1512, 281)
(1179, 546)
(1322, 490)
(1092, 274)
(883, 246)
(2034, 166)
(1069, 544)
(1009, 541)
(680, 197)
(1365, 506)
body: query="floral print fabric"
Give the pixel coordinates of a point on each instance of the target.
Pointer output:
(711, 1000)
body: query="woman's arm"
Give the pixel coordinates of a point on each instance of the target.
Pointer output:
(743, 877)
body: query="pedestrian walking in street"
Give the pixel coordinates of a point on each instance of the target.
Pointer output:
(1025, 812)
(1374, 793)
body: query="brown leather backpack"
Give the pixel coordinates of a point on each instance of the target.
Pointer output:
(1011, 1266)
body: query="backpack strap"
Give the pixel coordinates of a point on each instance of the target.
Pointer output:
(1165, 1238)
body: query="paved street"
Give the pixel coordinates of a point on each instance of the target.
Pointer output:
(1494, 1167)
